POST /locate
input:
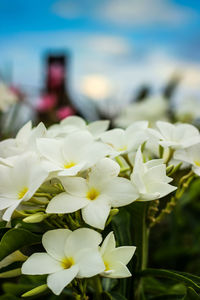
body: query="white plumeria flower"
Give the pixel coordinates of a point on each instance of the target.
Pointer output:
(150, 178)
(69, 255)
(25, 140)
(75, 123)
(19, 182)
(151, 109)
(5, 162)
(176, 136)
(73, 154)
(94, 195)
(115, 259)
(190, 155)
(124, 141)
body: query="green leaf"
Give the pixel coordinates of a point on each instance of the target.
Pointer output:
(2, 224)
(3, 231)
(109, 283)
(168, 297)
(191, 295)
(17, 289)
(106, 296)
(117, 296)
(173, 275)
(155, 287)
(15, 239)
(194, 278)
(8, 297)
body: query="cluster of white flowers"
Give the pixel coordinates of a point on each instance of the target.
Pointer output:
(151, 109)
(77, 254)
(94, 170)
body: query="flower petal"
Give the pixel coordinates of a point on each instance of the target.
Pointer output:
(82, 238)
(162, 188)
(98, 127)
(73, 121)
(90, 262)
(122, 254)
(118, 270)
(114, 137)
(76, 186)
(51, 149)
(103, 171)
(121, 191)
(66, 203)
(40, 263)
(9, 211)
(59, 280)
(96, 212)
(157, 173)
(73, 170)
(54, 242)
(108, 243)
(166, 129)
(95, 152)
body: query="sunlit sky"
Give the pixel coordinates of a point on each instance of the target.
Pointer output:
(127, 42)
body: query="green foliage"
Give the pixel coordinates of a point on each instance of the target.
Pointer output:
(15, 239)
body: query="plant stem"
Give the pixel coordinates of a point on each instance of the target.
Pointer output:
(183, 185)
(98, 287)
(170, 155)
(141, 242)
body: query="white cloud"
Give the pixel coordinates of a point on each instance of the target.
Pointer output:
(67, 9)
(126, 12)
(145, 12)
(109, 45)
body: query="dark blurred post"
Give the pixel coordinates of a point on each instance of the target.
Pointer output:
(56, 102)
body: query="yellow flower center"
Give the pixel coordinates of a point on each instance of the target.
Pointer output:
(92, 194)
(197, 163)
(124, 148)
(67, 262)
(107, 268)
(23, 191)
(69, 165)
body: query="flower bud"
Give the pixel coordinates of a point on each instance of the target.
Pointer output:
(35, 291)
(11, 273)
(35, 218)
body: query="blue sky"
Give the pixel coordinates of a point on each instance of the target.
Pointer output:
(127, 42)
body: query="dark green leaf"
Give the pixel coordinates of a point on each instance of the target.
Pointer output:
(168, 297)
(106, 296)
(194, 278)
(173, 275)
(117, 296)
(15, 239)
(3, 231)
(191, 295)
(17, 289)
(8, 297)
(153, 286)
(109, 284)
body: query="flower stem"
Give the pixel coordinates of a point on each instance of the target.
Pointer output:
(141, 241)
(183, 185)
(170, 155)
(98, 287)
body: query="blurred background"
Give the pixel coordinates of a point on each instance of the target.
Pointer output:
(99, 59)
(123, 60)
